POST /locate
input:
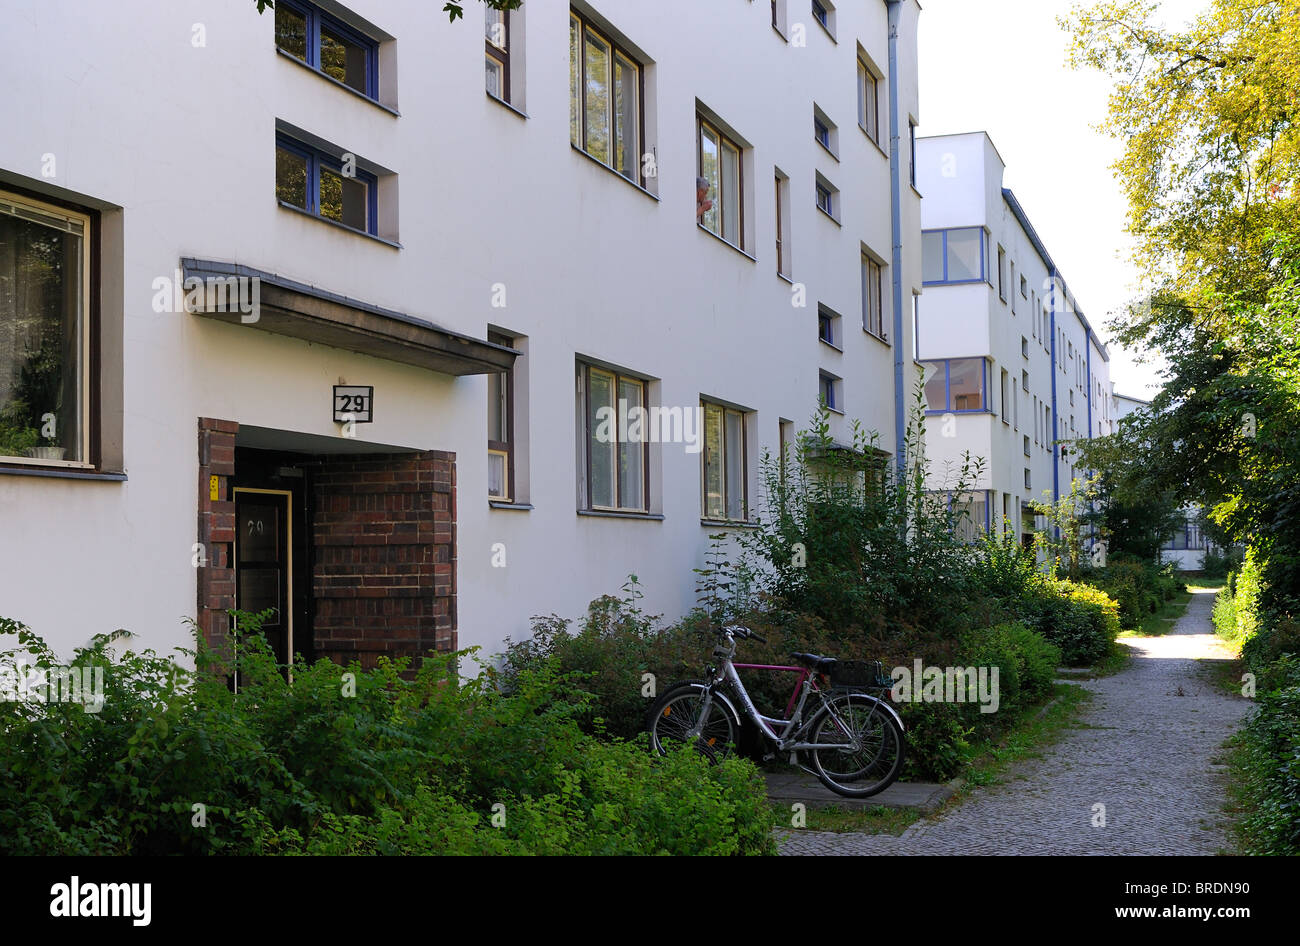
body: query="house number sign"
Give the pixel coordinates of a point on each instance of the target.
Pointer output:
(353, 402)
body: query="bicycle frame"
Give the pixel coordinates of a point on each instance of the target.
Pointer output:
(794, 725)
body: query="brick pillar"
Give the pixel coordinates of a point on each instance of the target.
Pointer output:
(216, 532)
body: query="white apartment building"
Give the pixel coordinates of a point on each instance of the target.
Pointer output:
(317, 309)
(1012, 369)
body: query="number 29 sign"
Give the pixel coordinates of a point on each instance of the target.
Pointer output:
(354, 403)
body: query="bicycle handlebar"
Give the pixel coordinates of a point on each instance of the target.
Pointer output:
(737, 631)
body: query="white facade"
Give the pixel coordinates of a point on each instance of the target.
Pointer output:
(1013, 369)
(162, 121)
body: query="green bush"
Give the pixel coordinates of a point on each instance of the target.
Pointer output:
(346, 760)
(1138, 586)
(1268, 766)
(1080, 620)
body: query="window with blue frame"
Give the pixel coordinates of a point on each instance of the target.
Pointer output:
(828, 390)
(958, 255)
(957, 385)
(312, 36)
(322, 185)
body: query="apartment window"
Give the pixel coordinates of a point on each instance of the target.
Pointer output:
(1002, 274)
(1027, 482)
(723, 469)
(782, 195)
(1026, 444)
(501, 408)
(605, 96)
(45, 334)
(868, 101)
(1013, 282)
(617, 469)
(720, 166)
(911, 143)
(322, 185)
(953, 256)
(821, 133)
(956, 384)
(873, 305)
(828, 326)
(1024, 288)
(496, 31)
(1005, 391)
(829, 391)
(825, 132)
(827, 197)
(312, 36)
(820, 15)
(1024, 380)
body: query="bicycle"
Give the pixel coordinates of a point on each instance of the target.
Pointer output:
(855, 740)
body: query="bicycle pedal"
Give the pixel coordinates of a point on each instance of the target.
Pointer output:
(794, 758)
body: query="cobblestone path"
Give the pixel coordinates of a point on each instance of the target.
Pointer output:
(1144, 749)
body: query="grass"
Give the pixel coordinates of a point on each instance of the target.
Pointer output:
(878, 819)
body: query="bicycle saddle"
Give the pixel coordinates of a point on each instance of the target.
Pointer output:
(814, 662)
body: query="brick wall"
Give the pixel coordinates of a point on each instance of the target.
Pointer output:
(216, 531)
(384, 544)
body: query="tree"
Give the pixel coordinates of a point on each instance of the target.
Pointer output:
(452, 9)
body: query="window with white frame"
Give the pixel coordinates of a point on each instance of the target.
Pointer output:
(868, 100)
(496, 34)
(873, 304)
(723, 465)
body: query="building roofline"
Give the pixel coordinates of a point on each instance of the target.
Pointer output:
(1018, 211)
(967, 134)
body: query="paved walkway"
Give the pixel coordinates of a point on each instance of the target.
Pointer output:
(1143, 749)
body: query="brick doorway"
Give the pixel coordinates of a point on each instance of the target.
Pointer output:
(376, 541)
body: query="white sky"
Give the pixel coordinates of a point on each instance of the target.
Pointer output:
(1001, 66)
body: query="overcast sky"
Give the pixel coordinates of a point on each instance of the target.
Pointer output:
(1000, 66)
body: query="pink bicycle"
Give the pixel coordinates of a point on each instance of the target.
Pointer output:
(853, 738)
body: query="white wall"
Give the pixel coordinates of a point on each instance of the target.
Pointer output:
(182, 139)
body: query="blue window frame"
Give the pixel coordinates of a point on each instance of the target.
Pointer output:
(313, 37)
(954, 256)
(828, 390)
(316, 182)
(825, 199)
(819, 14)
(957, 386)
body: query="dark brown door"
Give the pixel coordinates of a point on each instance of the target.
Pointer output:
(264, 563)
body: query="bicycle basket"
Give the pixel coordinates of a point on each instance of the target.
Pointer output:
(859, 673)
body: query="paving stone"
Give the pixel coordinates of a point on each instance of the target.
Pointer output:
(1145, 752)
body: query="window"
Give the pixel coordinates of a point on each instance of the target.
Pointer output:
(868, 101)
(819, 14)
(1024, 288)
(826, 133)
(1002, 274)
(953, 256)
(724, 484)
(1027, 482)
(501, 407)
(873, 306)
(829, 391)
(617, 470)
(828, 326)
(1013, 282)
(1024, 380)
(827, 197)
(720, 166)
(1005, 391)
(45, 334)
(911, 142)
(317, 39)
(1026, 444)
(604, 100)
(324, 186)
(782, 224)
(1024, 347)
(496, 33)
(956, 384)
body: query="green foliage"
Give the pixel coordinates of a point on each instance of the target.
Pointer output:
(385, 761)
(1267, 766)
(1080, 620)
(845, 541)
(1140, 587)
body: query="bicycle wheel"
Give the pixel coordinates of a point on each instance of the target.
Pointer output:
(863, 745)
(676, 713)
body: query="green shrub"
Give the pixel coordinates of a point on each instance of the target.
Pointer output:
(1268, 765)
(1080, 620)
(377, 761)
